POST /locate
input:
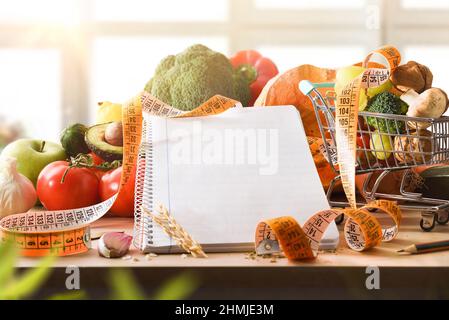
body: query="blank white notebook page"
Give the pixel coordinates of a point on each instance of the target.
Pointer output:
(220, 175)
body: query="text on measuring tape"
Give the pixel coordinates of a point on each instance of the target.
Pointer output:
(346, 114)
(362, 231)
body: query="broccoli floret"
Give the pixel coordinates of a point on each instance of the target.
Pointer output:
(386, 103)
(193, 76)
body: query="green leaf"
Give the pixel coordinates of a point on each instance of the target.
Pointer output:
(124, 286)
(8, 257)
(29, 281)
(178, 288)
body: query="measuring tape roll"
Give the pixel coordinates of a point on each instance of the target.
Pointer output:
(346, 113)
(67, 232)
(362, 231)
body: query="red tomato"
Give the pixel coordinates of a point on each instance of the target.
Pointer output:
(79, 189)
(110, 184)
(363, 139)
(258, 69)
(97, 159)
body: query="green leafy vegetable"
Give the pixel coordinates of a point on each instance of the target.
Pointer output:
(193, 76)
(386, 103)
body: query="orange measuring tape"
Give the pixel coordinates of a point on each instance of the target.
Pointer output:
(67, 232)
(362, 230)
(346, 114)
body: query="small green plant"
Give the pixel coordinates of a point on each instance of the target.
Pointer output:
(125, 287)
(14, 286)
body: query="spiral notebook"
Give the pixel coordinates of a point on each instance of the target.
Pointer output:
(220, 175)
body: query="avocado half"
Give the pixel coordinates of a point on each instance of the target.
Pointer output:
(96, 142)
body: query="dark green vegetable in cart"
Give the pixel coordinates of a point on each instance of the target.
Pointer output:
(190, 78)
(72, 140)
(386, 103)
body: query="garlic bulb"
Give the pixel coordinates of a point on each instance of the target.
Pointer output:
(17, 193)
(114, 244)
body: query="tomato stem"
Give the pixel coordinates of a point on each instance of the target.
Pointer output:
(248, 71)
(65, 174)
(86, 161)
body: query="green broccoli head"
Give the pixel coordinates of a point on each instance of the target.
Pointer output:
(386, 103)
(193, 76)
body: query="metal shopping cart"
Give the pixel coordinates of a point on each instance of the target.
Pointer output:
(401, 147)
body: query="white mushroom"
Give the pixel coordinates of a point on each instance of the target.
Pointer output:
(432, 103)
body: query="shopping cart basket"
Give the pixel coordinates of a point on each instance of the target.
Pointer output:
(399, 147)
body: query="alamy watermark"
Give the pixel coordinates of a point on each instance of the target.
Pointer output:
(372, 282)
(72, 282)
(372, 21)
(208, 146)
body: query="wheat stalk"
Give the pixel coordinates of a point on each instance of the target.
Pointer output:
(174, 230)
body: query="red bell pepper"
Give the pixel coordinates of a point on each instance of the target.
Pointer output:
(256, 68)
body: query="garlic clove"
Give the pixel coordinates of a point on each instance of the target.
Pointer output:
(17, 192)
(114, 244)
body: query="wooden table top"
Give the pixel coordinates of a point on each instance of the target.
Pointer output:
(384, 255)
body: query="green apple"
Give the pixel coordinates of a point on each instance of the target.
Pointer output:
(387, 86)
(347, 74)
(33, 155)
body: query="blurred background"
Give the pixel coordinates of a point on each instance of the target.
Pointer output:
(58, 58)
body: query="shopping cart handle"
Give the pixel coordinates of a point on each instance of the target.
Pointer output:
(306, 86)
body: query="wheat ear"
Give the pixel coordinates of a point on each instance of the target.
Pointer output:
(174, 230)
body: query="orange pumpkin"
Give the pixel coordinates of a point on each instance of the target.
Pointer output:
(283, 90)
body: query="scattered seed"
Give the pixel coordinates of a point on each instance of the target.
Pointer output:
(128, 257)
(136, 260)
(251, 255)
(152, 255)
(147, 257)
(183, 256)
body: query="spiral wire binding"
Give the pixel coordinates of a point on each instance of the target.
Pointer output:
(143, 224)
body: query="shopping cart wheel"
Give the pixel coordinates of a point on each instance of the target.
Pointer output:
(339, 220)
(427, 223)
(443, 217)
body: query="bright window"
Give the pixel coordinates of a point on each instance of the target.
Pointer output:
(309, 4)
(435, 57)
(320, 56)
(121, 66)
(31, 90)
(166, 10)
(427, 4)
(68, 55)
(47, 11)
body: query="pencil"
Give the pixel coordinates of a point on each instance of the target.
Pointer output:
(427, 247)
